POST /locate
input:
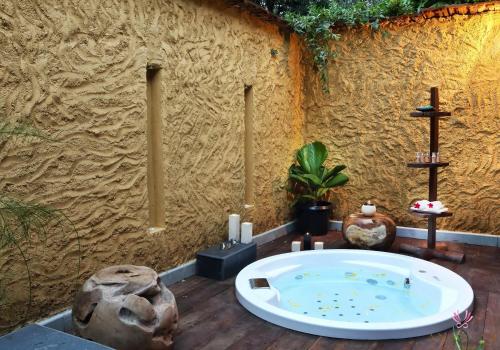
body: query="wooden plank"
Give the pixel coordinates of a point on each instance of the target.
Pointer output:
(249, 326)
(427, 165)
(356, 345)
(448, 264)
(429, 114)
(260, 336)
(231, 332)
(435, 98)
(274, 247)
(292, 340)
(194, 318)
(324, 343)
(428, 253)
(480, 257)
(433, 341)
(480, 278)
(434, 215)
(184, 286)
(206, 328)
(199, 295)
(343, 344)
(406, 240)
(492, 323)
(402, 344)
(224, 337)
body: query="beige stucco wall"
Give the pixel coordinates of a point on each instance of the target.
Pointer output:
(77, 70)
(378, 79)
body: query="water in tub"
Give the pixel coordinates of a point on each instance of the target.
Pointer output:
(360, 294)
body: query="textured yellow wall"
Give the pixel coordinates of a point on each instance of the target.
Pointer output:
(78, 70)
(378, 79)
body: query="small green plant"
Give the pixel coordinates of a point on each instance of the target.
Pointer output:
(310, 179)
(460, 336)
(8, 130)
(22, 222)
(315, 27)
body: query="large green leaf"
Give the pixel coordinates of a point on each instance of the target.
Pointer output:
(313, 178)
(333, 172)
(295, 169)
(322, 191)
(338, 180)
(311, 157)
(303, 198)
(300, 179)
(323, 171)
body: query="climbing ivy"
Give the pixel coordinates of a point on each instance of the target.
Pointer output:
(314, 20)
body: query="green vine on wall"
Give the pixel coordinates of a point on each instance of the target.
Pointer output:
(316, 24)
(315, 27)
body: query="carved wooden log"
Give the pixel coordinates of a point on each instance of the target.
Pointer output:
(126, 307)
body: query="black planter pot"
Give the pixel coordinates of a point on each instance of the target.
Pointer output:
(313, 217)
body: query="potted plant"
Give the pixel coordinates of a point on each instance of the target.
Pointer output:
(311, 183)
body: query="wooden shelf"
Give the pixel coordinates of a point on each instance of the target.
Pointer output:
(430, 251)
(427, 165)
(430, 114)
(425, 214)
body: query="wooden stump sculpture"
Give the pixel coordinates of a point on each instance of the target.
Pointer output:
(126, 307)
(376, 232)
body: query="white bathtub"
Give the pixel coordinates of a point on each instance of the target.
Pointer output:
(360, 294)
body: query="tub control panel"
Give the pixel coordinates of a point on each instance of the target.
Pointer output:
(259, 283)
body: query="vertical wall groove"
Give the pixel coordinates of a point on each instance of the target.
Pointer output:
(249, 154)
(155, 161)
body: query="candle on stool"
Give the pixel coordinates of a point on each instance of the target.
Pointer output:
(246, 232)
(296, 246)
(307, 241)
(318, 245)
(234, 227)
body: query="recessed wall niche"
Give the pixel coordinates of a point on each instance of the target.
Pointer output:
(155, 159)
(249, 152)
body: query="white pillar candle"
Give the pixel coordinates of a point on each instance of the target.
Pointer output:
(318, 245)
(234, 227)
(296, 246)
(246, 232)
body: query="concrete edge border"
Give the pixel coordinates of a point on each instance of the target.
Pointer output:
(441, 235)
(62, 321)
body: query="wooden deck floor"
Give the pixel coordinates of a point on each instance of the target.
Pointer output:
(212, 318)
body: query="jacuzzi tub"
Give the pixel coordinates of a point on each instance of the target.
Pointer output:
(354, 294)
